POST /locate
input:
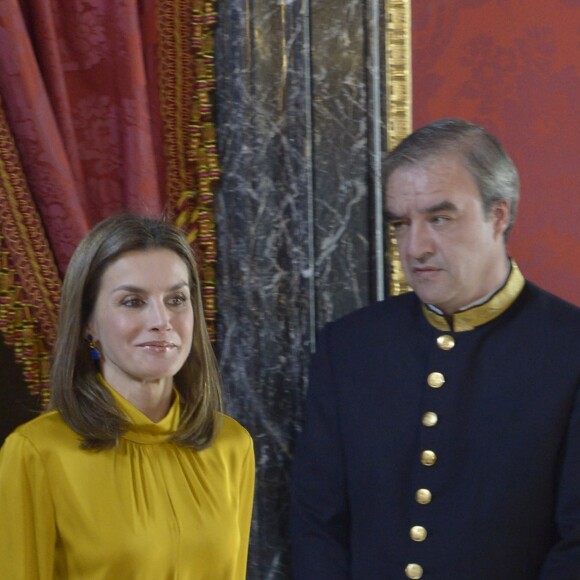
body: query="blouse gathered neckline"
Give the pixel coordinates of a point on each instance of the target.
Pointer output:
(140, 428)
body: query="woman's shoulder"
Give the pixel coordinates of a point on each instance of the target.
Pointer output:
(231, 435)
(232, 428)
(44, 431)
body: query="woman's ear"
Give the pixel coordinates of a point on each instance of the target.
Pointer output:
(89, 330)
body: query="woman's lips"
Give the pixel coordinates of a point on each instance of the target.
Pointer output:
(158, 346)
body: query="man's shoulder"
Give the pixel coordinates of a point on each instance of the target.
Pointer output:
(547, 308)
(383, 316)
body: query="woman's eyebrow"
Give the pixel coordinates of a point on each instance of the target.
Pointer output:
(137, 289)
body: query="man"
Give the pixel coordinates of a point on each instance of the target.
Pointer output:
(442, 428)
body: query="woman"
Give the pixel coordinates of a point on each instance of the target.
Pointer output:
(134, 473)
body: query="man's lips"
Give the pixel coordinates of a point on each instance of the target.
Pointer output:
(425, 271)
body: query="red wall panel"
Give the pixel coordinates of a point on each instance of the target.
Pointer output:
(513, 66)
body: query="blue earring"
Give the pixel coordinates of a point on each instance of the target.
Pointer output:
(95, 354)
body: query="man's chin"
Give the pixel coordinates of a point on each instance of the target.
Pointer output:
(427, 296)
(425, 289)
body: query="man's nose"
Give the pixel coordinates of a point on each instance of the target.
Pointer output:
(419, 241)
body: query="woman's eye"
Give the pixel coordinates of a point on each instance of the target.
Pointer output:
(178, 300)
(132, 302)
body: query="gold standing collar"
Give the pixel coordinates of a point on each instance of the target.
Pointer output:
(482, 313)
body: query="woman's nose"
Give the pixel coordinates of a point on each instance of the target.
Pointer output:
(160, 316)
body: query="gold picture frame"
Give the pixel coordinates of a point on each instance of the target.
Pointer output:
(398, 106)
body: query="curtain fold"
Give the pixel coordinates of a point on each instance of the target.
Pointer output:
(105, 108)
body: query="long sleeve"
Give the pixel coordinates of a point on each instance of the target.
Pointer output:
(319, 507)
(563, 560)
(246, 492)
(27, 524)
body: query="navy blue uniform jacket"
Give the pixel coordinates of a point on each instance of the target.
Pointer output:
(500, 492)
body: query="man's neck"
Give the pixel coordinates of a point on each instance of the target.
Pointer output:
(481, 300)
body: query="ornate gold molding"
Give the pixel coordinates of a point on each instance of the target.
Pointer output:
(398, 92)
(29, 279)
(186, 81)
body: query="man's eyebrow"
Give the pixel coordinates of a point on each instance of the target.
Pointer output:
(442, 206)
(389, 216)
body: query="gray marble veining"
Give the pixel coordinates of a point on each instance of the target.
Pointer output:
(294, 217)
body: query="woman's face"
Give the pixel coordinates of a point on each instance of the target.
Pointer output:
(143, 318)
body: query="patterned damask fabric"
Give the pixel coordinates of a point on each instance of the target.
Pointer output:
(75, 91)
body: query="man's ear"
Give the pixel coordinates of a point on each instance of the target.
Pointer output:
(500, 216)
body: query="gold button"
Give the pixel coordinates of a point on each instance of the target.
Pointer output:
(414, 571)
(429, 419)
(435, 380)
(428, 458)
(418, 533)
(445, 342)
(423, 496)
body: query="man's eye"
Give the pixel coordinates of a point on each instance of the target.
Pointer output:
(397, 225)
(439, 220)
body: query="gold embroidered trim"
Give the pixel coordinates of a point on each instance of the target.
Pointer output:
(398, 92)
(29, 279)
(478, 315)
(187, 79)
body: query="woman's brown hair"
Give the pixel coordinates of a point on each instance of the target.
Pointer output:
(86, 406)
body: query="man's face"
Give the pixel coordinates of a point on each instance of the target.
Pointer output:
(452, 253)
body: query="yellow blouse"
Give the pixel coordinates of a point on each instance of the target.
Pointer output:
(146, 510)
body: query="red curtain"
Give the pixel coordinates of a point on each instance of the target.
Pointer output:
(104, 108)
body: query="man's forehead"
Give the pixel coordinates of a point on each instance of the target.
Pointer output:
(436, 164)
(410, 182)
(433, 177)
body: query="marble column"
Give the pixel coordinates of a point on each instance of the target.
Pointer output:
(295, 217)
